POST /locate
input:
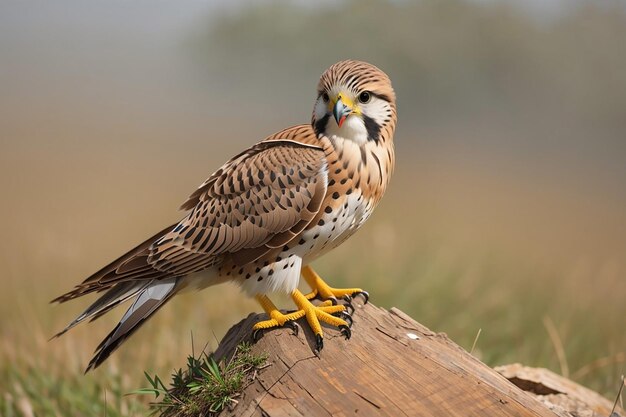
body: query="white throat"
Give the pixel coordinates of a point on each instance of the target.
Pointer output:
(352, 129)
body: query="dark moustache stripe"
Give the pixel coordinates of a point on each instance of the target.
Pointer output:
(373, 128)
(320, 125)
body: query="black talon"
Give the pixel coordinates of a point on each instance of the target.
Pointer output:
(333, 300)
(295, 327)
(347, 317)
(365, 295)
(347, 298)
(349, 306)
(319, 343)
(256, 335)
(345, 330)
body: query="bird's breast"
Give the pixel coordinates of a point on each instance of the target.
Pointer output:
(366, 167)
(337, 221)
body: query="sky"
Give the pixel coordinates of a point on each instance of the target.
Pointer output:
(112, 81)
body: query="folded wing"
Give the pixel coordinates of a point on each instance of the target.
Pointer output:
(259, 200)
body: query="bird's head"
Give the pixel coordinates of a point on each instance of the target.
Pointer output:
(355, 101)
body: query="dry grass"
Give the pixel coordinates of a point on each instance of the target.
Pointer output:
(434, 276)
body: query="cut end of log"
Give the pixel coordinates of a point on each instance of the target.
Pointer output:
(563, 396)
(392, 366)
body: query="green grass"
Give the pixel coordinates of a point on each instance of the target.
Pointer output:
(205, 387)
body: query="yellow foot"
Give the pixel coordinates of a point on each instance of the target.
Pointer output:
(314, 314)
(322, 313)
(321, 290)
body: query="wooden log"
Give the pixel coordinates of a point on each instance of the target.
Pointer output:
(561, 395)
(392, 366)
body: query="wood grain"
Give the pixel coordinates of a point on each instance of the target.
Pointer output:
(392, 366)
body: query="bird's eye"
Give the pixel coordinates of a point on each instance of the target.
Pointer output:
(365, 97)
(325, 97)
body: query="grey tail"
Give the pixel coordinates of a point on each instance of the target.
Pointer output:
(111, 299)
(151, 297)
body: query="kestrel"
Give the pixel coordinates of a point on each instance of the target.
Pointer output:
(265, 215)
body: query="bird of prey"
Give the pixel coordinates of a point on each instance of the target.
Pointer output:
(261, 218)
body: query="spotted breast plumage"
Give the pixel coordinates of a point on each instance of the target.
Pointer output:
(265, 215)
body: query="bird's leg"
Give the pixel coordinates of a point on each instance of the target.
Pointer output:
(323, 291)
(276, 318)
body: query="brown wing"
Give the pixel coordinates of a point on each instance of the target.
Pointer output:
(259, 200)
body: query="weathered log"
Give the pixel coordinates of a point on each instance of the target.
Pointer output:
(392, 366)
(561, 395)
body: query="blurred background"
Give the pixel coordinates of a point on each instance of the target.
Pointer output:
(506, 214)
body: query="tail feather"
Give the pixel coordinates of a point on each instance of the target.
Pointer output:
(150, 299)
(131, 275)
(112, 298)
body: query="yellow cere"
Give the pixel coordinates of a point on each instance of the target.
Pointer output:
(347, 101)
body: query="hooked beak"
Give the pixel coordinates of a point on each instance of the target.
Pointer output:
(341, 111)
